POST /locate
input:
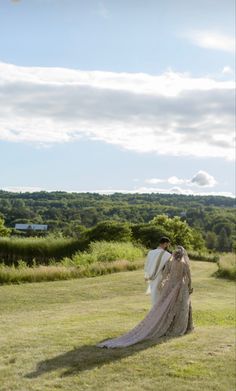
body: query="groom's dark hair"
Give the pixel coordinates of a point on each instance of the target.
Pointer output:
(164, 239)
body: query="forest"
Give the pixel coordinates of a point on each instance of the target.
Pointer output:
(70, 214)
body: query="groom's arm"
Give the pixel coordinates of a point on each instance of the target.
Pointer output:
(166, 259)
(146, 277)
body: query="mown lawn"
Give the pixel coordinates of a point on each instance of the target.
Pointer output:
(48, 333)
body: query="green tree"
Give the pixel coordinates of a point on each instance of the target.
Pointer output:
(224, 243)
(148, 234)
(110, 231)
(180, 232)
(211, 240)
(4, 231)
(197, 241)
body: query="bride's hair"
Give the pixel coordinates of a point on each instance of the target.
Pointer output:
(179, 253)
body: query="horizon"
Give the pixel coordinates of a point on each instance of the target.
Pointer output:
(108, 193)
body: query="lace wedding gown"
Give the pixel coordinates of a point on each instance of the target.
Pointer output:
(172, 314)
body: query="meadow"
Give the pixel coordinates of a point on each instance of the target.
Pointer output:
(48, 333)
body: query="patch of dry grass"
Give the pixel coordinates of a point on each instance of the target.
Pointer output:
(227, 266)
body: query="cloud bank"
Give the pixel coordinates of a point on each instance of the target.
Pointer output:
(170, 114)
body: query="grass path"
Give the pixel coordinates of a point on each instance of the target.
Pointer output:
(48, 333)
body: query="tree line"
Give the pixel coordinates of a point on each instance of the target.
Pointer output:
(71, 214)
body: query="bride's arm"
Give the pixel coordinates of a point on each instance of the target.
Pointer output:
(166, 268)
(165, 273)
(188, 273)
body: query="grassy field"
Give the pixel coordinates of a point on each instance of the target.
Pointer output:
(48, 333)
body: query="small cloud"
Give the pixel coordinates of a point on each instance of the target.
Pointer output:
(212, 40)
(103, 11)
(176, 190)
(203, 179)
(174, 180)
(227, 70)
(155, 181)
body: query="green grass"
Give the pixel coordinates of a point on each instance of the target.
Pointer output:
(48, 333)
(227, 266)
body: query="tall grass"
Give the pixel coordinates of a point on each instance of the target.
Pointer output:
(39, 249)
(103, 251)
(43, 250)
(205, 257)
(101, 258)
(227, 266)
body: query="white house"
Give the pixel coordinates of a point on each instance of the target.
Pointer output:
(34, 227)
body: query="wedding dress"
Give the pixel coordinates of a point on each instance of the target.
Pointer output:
(172, 315)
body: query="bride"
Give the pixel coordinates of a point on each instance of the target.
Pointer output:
(172, 315)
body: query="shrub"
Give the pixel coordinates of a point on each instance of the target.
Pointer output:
(4, 231)
(206, 257)
(227, 266)
(107, 252)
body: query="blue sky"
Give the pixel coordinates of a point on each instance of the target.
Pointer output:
(112, 95)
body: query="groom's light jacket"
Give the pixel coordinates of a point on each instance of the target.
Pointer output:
(156, 260)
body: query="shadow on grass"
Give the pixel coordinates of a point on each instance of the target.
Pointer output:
(88, 357)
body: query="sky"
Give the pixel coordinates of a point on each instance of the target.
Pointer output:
(117, 96)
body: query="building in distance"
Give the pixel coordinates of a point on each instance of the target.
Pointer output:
(33, 227)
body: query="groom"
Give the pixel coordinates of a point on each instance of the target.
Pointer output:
(154, 266)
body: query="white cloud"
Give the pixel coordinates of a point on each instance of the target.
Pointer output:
(176, 181)
(170, 114)
(212, 40)
(227, 70)
(155, 181)
(202, 178)
(172, 180)
(103, 10)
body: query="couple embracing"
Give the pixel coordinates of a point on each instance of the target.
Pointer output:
(169, 279)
